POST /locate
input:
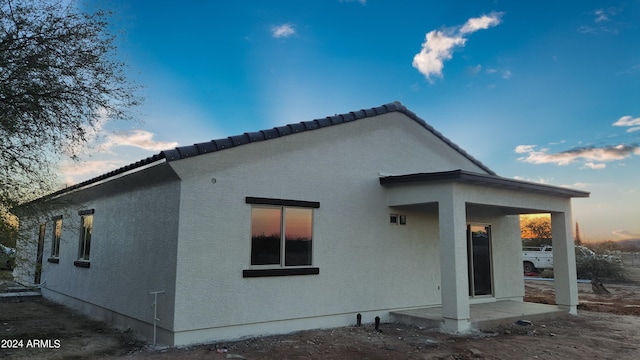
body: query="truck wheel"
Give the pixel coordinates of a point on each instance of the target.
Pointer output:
(528, 267)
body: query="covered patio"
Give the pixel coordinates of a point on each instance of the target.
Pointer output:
(474, 293)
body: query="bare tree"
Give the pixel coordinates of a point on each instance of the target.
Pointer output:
(59, 77)
(535, 231)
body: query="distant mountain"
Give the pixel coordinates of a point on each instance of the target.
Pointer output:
(630, 244)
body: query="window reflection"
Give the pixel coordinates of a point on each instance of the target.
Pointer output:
(276, 228)
(85, 237)
(57, 233)
(265, 236)
(298, 224)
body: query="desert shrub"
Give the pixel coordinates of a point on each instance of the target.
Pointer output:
(600, 266)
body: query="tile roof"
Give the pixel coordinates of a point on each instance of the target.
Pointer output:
(188, 151)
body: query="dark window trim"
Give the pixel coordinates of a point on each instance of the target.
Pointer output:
(86, 212)
(53, 260)
(82, 264)
(280, 272)
(282, 202)
(57, 217)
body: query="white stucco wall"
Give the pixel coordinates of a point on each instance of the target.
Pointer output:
(133, 251)
(366, 265)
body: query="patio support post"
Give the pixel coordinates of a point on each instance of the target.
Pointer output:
(453, 265)
(564, 262)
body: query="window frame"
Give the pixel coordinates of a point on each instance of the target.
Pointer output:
(84, 251)
(281, 269)
(55, 240)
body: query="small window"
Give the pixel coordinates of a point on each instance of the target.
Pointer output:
(281, 236)
(57, 233)
(86, 229)
(403, 219)
(393, 219)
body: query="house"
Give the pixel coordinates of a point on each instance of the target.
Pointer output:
(297, 227)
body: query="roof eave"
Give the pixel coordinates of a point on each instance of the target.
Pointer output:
(482, 179)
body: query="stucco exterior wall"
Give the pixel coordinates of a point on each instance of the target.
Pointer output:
(133, 251)
(366, 265)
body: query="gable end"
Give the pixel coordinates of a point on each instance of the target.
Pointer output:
(280, 131)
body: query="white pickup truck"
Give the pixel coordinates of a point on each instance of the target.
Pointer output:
(534, 258)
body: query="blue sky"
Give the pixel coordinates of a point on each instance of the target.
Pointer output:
(537, 90)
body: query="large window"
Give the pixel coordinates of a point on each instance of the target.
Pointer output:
(86, 229)
(57, 233)
(281, 233)
(281, 236)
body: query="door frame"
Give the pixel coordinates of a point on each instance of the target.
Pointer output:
(471, 270)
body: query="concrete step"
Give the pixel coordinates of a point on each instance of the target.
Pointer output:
(21, 294)
(15, 289)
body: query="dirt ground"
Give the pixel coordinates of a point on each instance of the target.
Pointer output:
(607, 327)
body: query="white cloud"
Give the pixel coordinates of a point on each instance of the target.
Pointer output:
(633, 69)
(72, 171)
(596, 30)
(520, 149)
(625, 234)
(505, 74)
(602, 15)
(439, 44)
(76, 171)
(475, 70)
(482, 23)
(538, 180)
(283, 31)
(579, 185)
(632, 123)
(436, 48)
(593, 157)
(594, 166)
(137, 138)
(362, 2)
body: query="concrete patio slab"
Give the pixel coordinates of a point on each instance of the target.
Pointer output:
(483, 315)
